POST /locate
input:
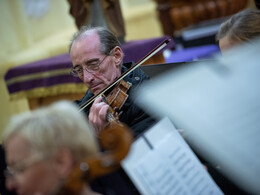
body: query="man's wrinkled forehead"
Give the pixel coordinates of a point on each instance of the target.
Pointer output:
(87, 46)
(88, 37)
(17, 148)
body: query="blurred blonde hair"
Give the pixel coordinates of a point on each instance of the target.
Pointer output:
(241, 27)
(51, 128)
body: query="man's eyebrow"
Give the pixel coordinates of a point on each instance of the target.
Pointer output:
(77, 66)
(11, 163)
(91, 60)
(87, 62)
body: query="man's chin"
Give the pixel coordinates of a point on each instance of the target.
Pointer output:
(96, 91)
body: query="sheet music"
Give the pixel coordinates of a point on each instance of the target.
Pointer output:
(168, 165)
(218, 105)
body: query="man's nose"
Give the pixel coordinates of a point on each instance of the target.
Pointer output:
(87, 77)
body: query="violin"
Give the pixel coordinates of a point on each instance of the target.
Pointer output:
(116, 138)
(116, 99)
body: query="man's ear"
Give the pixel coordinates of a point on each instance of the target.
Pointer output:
(63, 163)
(118, 55)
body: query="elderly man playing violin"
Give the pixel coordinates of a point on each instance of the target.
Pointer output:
(98, 61)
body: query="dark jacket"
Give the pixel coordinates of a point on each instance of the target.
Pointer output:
(133, 116)
(118, 183)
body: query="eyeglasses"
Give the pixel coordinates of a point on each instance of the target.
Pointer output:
(19, 168)
(91, 67)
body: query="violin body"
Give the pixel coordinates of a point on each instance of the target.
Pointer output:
(116, 99)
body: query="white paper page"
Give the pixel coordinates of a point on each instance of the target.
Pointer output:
(159, 131)
(170, 167)
(218, 104)
(138, 149)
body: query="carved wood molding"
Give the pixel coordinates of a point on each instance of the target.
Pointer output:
(178, 14)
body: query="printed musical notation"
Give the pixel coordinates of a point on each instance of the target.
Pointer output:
(167, 165)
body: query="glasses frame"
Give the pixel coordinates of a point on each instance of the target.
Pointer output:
(11, 172)
(79, 73)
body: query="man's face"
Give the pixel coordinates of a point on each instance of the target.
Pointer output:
(29, 173)
(87, 51)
